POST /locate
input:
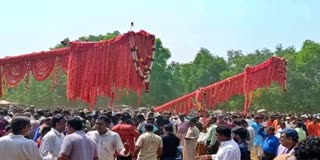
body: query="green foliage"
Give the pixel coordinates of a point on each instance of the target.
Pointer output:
(172, 80)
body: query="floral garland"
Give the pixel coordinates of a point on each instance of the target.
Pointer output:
(137, 59)
(262, 75)
(94, 68)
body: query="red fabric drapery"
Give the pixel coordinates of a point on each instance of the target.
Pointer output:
(94, 68)
(262, 75)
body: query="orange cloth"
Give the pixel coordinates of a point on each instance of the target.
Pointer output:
(276, 124)
(270, 123)
(201, 149)
(313, 129)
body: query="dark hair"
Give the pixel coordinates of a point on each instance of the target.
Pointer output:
(106, 119)
(168, 128)
(40, 113)
(19, 123)
(243, 122)
(124, 118)
(295, 139)
(57, 118)
(45, 121)
(148, 127)
(214, 118)
(282, 123)
(45, 130)
(237, 122)
(66, 113)
(242, 132)
(75, 123)
(27, 114)
(308, 149)
(224, 130)
(8, 128)
(2, 112)
(300, 124)
(82, 115)
(272, 129)
(140, 117)
(151, 120)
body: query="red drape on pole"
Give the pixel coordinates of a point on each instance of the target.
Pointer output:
(94, 68)
(262, 75)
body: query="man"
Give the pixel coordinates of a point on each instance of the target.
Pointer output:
(304, 150)
(141, 120)
(314, 128)
(52, 141)
(228, 150)
(44, 122)
(212, 143)
(15, 146)
(270, 144)
(190, 144)
(301, 133)
(76, 145)
(288, 122)
(282, 127)
(151, 121)
(256, 125)
(289, 138)
(221, 121)
(240, 135)
(149, 145)
(127, 133)
(108, 142)
(181, 126)
(251, 135)
(170, 144)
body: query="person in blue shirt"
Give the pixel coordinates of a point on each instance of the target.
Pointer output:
(257, 142)
(270, 143)
(151, 121)
(240, 135)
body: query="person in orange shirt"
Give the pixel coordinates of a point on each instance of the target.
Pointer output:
(314, 128)
(270, 121)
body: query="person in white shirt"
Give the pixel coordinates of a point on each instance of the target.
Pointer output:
(107, 141)
(181, 128)
(229, 149)
(15, 145)
(52, 141)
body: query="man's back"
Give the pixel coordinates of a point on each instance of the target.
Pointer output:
(149, 143)
(127, 133)
(170, 145)
(78, 146)
(16, 147)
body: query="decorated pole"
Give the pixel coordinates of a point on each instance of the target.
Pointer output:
(273, 70)
(94, 68)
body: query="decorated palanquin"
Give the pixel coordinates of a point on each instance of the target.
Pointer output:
(245, 83)
(94, 69)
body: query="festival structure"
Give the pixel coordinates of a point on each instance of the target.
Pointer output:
(94, 69)
(245, 83)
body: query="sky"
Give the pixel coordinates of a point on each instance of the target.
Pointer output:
(184, 26)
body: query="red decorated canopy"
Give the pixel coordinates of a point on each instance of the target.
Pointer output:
(94, 68)
(262, 75)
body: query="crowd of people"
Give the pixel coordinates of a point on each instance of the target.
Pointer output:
(61, 134)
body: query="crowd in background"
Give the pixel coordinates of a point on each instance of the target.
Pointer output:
(62, 134)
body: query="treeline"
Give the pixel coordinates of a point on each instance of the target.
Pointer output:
(172, 80)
